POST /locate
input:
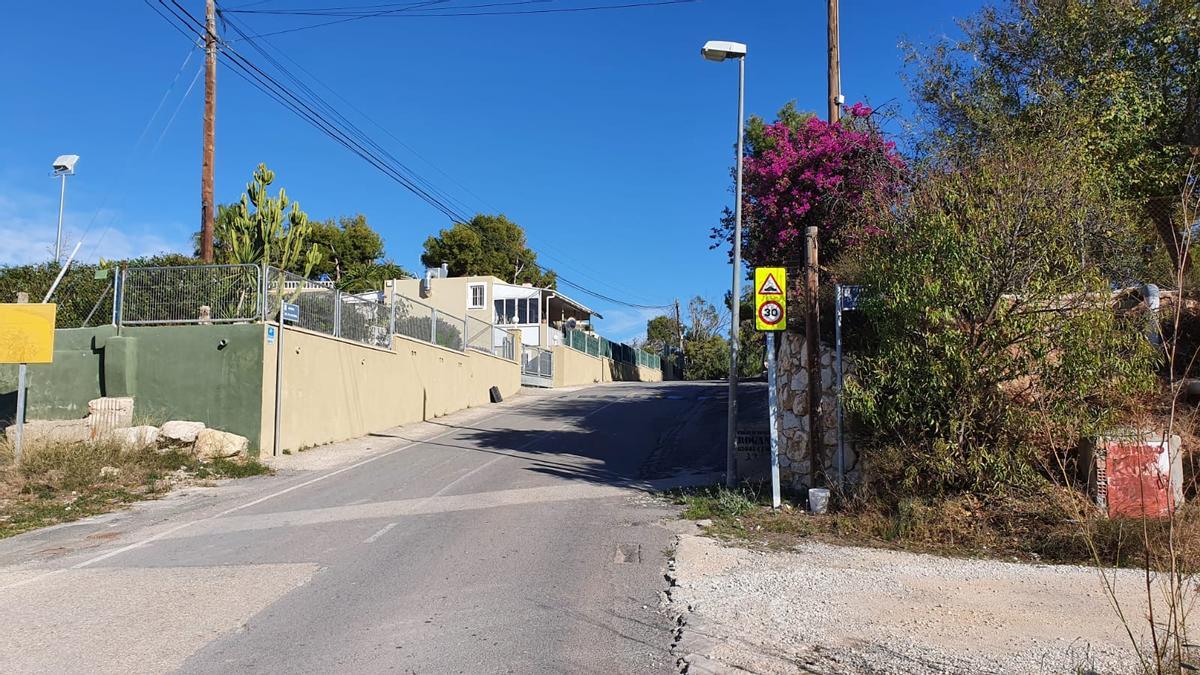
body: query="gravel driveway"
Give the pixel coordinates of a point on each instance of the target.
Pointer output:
(837, 609)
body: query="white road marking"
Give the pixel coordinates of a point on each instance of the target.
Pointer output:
(382, 531)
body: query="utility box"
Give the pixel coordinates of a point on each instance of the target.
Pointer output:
(1131, 473)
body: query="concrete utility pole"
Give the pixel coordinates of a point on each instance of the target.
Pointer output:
(835, 65)
(210, 113)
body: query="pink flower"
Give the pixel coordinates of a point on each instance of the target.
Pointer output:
(860, 110)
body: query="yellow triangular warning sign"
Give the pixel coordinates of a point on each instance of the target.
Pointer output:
(770, 286)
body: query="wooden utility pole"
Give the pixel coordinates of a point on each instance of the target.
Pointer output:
(679, 325)
(812, 339)
(207, 210)
(835, 65)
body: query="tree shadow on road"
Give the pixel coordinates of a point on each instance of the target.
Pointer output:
(647, 438)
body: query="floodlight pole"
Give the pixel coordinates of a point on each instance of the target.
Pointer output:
(62, 198)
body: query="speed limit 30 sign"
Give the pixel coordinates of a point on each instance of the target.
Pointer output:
(770, 298)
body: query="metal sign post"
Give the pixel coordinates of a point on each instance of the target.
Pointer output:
(287, 312)
(847, 299)
(770, 317)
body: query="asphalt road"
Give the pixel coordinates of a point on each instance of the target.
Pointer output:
(522, 537)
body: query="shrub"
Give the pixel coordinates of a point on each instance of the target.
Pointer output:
(992, 328)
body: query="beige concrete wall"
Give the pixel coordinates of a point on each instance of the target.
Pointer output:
(336, 389)
(573, 368)
(649, 374)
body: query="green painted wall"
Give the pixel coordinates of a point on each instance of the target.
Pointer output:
(60, 390)
(212, 374)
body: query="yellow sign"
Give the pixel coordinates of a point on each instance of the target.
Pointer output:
(27, 333)
(770, 298)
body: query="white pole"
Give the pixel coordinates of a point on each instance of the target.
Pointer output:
(62, 272)
(731, 439)
(20, 421)
(841, 447)
(279, 377)
(62, 198)
(773, 426)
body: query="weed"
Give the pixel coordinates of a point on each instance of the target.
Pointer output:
(716, 502)
(61, 482)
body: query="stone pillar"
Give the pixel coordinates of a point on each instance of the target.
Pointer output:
(792, 381)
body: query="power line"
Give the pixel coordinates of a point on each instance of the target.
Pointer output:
(308, 109)
(415, 12)
(356, 132)
(367, 11)
(239, 30)
(350, 137)
(129, 158)
(377, 125)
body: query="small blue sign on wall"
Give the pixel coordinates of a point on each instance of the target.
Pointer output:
(270, 335)
(291, 312)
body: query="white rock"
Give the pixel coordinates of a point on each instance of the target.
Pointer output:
(109, 412)
(211, 443)
(109, 472)
(180, 432)
(135, 438)
(51, 431)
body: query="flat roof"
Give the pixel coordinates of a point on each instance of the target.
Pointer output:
(578, 304)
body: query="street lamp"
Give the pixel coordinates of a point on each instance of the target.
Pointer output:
(63, 166)
(719, 50)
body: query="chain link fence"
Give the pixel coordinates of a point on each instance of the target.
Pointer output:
(596, 345)
(241, 293)
(413, 319)
(318, 302)
(364, 319)
(489, 338)
(183, 295)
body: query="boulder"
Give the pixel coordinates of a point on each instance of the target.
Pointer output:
(178, 432)
(108, 413)
(211, 444)
(42, 432)
(134, 438)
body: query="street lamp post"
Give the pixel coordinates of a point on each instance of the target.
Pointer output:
(63, 166)
(719, 50)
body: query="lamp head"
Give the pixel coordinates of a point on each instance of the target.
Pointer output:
(719, 50)
(65, 164)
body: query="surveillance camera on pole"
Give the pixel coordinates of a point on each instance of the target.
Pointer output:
(63, 166)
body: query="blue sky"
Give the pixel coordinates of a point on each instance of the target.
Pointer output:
(604, 134)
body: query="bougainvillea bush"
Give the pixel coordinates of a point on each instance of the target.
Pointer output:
(802, 171)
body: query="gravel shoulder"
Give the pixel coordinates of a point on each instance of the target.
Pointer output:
(822, 608)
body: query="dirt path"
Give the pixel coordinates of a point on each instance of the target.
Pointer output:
(835, 609)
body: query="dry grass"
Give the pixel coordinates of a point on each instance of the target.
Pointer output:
(58, 483)
(1039, 526)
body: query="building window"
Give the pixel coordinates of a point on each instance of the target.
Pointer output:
(518, 311)
(476, 296)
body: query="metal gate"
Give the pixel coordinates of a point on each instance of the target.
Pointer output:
(537, 366)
